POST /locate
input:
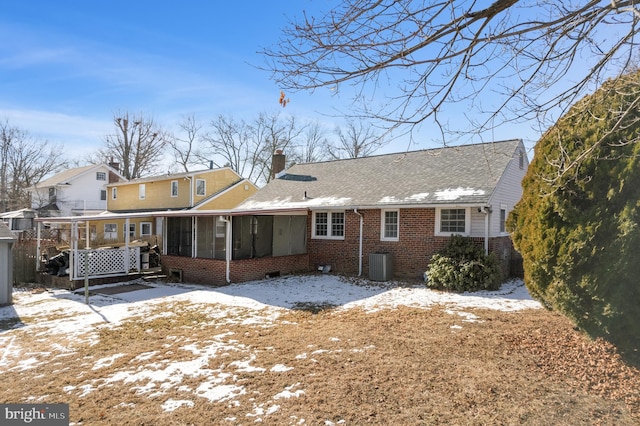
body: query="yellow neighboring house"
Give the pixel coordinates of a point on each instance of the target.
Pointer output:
(210, 189)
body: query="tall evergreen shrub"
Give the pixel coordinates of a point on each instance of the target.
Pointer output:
(577, 227)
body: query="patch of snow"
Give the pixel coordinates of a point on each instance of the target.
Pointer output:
(280, 368)
(106, 362)
(219, 392)
(451, 194)
(173, 404)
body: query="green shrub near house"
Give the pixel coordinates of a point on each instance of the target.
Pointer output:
(463, 266)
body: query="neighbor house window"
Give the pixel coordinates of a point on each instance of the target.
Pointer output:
(101, 176)
(328, 225)
(52, 194)
(201, 187)
(114, 193)
(452, 221)
(132, 230)
(390, 225)
(145, 229)
(103, 195)
(174, 188)
(142, 191)
(110, 231)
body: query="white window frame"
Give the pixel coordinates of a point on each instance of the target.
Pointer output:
(330, 235)
(383, 225)
(142, 191)
(142, 226)
(201, 183)
(502, 226)
(110, 235)
(101, 176)
(174, 188)
(103, 195)
(467, 221)
(132, 230)
(114, 193)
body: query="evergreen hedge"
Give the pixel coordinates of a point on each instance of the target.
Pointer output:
(578, 230)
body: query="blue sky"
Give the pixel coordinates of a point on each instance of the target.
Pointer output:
(67, 67)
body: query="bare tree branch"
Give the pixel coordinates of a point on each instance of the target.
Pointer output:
(538, 56)
(137, 143)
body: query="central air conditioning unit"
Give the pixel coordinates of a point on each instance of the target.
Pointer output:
(380, 266)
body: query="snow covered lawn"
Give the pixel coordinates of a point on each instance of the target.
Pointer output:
(245, 353)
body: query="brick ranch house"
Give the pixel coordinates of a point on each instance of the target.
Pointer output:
(336, 214)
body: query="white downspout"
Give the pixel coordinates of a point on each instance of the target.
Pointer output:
(190, 190)
(486, 210)
(360, 243)
(228, 247)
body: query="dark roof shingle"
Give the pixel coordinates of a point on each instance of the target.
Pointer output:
(451, 175)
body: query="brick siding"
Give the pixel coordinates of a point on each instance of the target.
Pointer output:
(213, 271)
(411, 253)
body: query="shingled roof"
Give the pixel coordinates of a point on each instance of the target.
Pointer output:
(466, 174)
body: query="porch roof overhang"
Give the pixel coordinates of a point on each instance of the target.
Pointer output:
(245, 212)
(171, 213)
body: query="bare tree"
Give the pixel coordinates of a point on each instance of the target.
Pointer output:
(227, 144)
(312, 146)
(500, 61)
(356, 140)
(271, 132)
(184, 147)
(247, 148)
(137, 144)
(24, 161)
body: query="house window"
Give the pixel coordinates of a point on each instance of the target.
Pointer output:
(103, 195)
(101, 176)
(110, 231)
(52, 194)
(142, 191)
(503, 219)
(174, 188)
(390, 225)
(132, 230)
(145, 229)
(114, 193)
(328, 225)
(452, 221)
(201, 187)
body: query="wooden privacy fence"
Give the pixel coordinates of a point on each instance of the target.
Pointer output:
(24, 262)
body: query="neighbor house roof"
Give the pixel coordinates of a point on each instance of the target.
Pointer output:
(466, 174)
(170, 176)
(71, 174)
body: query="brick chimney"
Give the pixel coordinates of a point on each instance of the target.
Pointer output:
(277, 163)
(112, 176)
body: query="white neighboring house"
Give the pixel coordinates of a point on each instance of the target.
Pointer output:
(75, 192)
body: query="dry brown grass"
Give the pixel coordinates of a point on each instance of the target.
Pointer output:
(404, 367)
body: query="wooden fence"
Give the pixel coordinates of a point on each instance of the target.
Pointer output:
(24, 262)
